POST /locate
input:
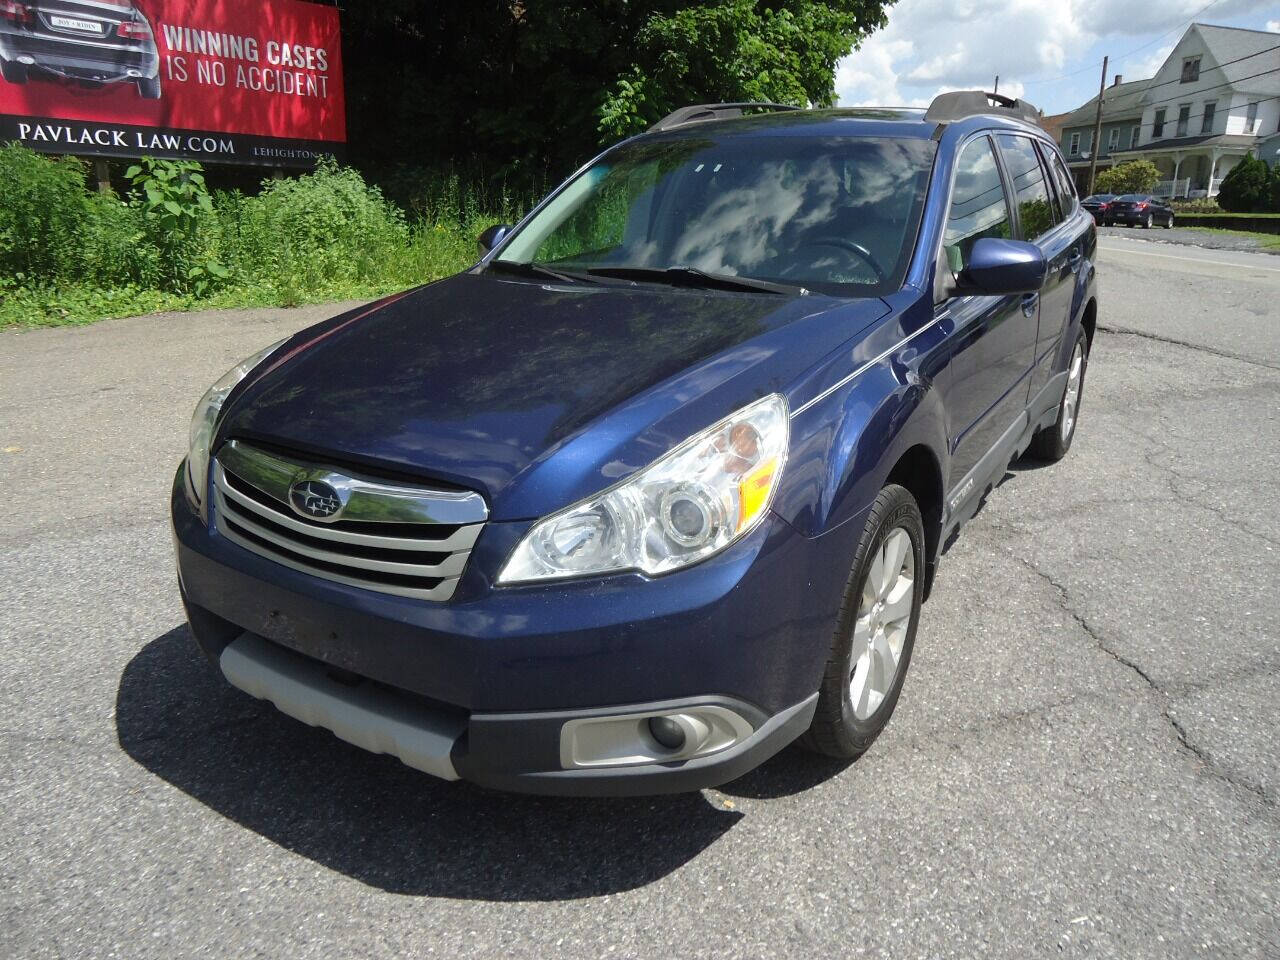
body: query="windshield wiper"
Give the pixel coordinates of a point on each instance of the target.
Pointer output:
(530, 269)
(693, 277)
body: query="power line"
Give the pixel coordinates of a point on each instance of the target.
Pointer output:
(1182, 25)
(1227, 63)
(1225, 83)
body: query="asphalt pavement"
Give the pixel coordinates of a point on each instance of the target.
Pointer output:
(1084, 760)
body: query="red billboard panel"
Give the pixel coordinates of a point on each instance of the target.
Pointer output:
(232, 81)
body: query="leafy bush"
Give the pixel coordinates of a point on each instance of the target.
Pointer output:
(68, 255)
(1246, 187)
(1136, 176)
(322, 229)
(42, 209)
(176, 210)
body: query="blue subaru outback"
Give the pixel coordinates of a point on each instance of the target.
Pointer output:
(659, 485)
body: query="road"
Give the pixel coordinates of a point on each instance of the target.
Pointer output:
(1084, 761)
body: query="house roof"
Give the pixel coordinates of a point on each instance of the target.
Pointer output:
(1211, 140)
(1118, 101)
(1245, 53)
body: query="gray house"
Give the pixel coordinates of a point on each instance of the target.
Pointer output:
(1215, 99)
(1121, 128)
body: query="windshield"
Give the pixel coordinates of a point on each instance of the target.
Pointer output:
(837, 215)
(1101, 197)
(1132, 197)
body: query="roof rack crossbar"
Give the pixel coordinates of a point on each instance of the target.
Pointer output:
(700, 112)
(959, 104)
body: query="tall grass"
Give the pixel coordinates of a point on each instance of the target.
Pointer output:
(68, 255)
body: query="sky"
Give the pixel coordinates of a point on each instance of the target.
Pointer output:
(1047, 51)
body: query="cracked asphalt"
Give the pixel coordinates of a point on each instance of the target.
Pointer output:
(1084, 761)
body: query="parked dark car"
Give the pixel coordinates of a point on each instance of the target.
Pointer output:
(1097, 204)
(659, 485)
(94, 41)
(1138, 209)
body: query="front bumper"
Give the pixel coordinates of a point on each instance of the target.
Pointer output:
(80, 61)
(498, 673)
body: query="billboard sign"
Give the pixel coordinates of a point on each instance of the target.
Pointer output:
(231, 81)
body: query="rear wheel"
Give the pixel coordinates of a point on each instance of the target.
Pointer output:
(13, 71)
(1146, 224)
(1053, 442)
(149, 88)
(875, 632)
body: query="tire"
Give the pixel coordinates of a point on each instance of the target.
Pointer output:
(1053, 442)
(13, 71)
(1146, 224)
(840, 728)
(149, 88)
(1168, 224)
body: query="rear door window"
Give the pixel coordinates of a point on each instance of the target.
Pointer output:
(979, 207)
(1036, 214)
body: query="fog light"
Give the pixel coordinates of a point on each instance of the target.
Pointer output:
(622, 739)
(667, 732)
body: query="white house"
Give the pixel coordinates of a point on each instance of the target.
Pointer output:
(1215, 99)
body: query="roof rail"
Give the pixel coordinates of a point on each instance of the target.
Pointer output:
(700, 112)
(950, 107)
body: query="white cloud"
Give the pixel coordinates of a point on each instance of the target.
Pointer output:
(1273, 26)
(931, 46)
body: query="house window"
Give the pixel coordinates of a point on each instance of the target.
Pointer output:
(1074, 148)
(1210, 108)
(1113, 139)
(1157, 127)
(1251, 118)
(1190, 69)
(1133, 137)
(1184, 117)
(1088, 144)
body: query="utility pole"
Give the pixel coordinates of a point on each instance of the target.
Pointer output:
(996, 88)
(1097, 130)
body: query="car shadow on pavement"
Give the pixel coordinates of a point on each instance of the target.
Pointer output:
(374, 819)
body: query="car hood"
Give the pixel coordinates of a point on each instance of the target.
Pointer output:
(534, 394)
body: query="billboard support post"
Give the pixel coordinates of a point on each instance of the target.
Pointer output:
(102, 173)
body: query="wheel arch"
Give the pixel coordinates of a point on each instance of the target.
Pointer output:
(917, 470)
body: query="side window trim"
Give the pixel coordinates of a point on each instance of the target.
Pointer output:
(1010, 191)
(1066, 199)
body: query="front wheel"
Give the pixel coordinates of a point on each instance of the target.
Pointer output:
(13, 71)
(1168, 224)
(1053, 442)
(875, 632)
(1146, 224)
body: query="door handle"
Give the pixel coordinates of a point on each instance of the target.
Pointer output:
(1029, 303)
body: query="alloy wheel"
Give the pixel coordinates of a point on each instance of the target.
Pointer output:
(884, 616)
(1071, 399)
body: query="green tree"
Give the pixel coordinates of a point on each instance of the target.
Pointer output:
(734, 50)
(1136, 176)
(1246, 187)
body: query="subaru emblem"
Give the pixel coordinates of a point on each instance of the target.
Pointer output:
(315, 498)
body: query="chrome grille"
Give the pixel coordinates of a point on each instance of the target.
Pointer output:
(406, 540)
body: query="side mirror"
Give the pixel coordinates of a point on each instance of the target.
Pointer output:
(493, 236)
(1003, 267)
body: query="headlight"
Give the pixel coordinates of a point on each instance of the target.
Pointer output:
(205, 420)
(694, 502)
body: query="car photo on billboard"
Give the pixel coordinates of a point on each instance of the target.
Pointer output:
(87, 41)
